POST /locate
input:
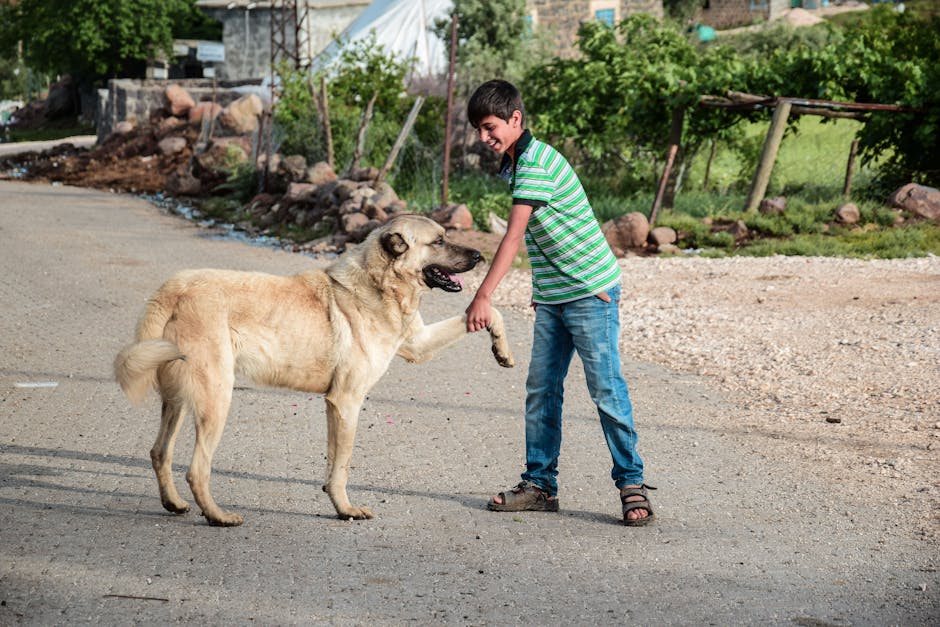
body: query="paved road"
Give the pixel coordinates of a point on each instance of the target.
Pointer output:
(741, 538)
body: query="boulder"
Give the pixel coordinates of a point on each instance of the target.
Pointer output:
(180, 102)
(320, 173)
(848, 214)
(299, 192)
(203, 109)
(124, 127)
(454, 217)
(626, 232)
(920, 200)
(171, 145)
(183, 183)
(293, 168)
(242, 115)
(662, 235)
(773, 206)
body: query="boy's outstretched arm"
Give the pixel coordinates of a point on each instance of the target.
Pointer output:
(478, 312)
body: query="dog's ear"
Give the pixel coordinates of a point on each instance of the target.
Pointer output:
(394, 244)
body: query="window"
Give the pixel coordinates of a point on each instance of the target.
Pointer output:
(605, 15)
(606, 11)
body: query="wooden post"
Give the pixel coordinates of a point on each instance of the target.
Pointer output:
(450, 105)
(847, 189)
(361, 135)
(675, 141)
(768, 156)
(708, 164)
(400, 141)
(673, 149)
(325, 116)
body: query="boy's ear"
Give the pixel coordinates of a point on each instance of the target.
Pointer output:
(516, 118)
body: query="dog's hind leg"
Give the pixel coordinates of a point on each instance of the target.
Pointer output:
(211, 403)
(341, 420)
(161, 455)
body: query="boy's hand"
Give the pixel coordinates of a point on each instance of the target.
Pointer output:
(478, 314)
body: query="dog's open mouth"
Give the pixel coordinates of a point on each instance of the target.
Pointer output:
(436, 276)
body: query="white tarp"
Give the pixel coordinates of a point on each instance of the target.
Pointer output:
(402, 27)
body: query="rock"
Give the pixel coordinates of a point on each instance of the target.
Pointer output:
(352, 222)
(293, 168)
(668, 249)
(168, 125)
(920, 200)
(320, 173)
(124, 127)
(364, 174)
(848, 214)
(171, 145)
(384, 196)
(497, 224)
(739, 231)
(773, 206)
(454, 217)
(629, 231)
(343, 189)
(663, 235)
(223, 155)
(179, 100)
(242, 115)
(299, 192)
(183, 183)
(201, 110)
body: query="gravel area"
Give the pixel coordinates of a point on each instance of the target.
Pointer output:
(837, 360)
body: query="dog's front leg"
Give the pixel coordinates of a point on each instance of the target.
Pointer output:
(342, 417)
(427, 341)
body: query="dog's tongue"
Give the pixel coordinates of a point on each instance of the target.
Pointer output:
(456, 279)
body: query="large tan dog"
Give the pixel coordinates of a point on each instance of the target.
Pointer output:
(334, 332)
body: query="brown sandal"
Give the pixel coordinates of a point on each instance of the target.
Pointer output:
(525, 497)
(644, 504)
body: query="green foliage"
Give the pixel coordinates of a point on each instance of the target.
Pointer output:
(494, 40)
(88, 38)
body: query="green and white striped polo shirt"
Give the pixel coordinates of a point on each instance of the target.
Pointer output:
(569, 255)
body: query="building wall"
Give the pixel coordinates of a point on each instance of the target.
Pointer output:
(731, 13)
(563, 17)
(246, 33)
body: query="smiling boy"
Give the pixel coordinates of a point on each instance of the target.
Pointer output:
(575, 292)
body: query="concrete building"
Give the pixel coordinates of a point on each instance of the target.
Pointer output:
(247, 31)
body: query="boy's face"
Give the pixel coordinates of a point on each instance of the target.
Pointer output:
(499, 134)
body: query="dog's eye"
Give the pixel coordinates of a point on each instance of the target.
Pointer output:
(439, 241)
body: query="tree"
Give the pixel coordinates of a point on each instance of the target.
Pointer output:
(92, 39)
(494, 40)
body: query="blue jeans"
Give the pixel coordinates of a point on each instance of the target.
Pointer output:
(592, 327)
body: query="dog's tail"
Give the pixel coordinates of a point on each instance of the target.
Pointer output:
(135, 367)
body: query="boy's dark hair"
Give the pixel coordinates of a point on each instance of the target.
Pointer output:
(495, 97)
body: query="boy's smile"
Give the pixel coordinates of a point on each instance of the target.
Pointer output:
(501, 135)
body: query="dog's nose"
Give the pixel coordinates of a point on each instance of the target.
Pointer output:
(476, 256)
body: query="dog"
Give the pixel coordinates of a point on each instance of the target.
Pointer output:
(332, 331)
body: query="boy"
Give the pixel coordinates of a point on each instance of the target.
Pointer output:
(575, 292)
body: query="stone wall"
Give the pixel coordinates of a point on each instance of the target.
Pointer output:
(563, 17)
(730, 13)
(137, 100)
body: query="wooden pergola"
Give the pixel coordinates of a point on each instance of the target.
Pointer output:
(783, 107)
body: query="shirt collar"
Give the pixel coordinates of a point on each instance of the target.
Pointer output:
(508, 165)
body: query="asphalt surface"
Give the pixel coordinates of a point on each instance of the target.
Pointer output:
(741, 537)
